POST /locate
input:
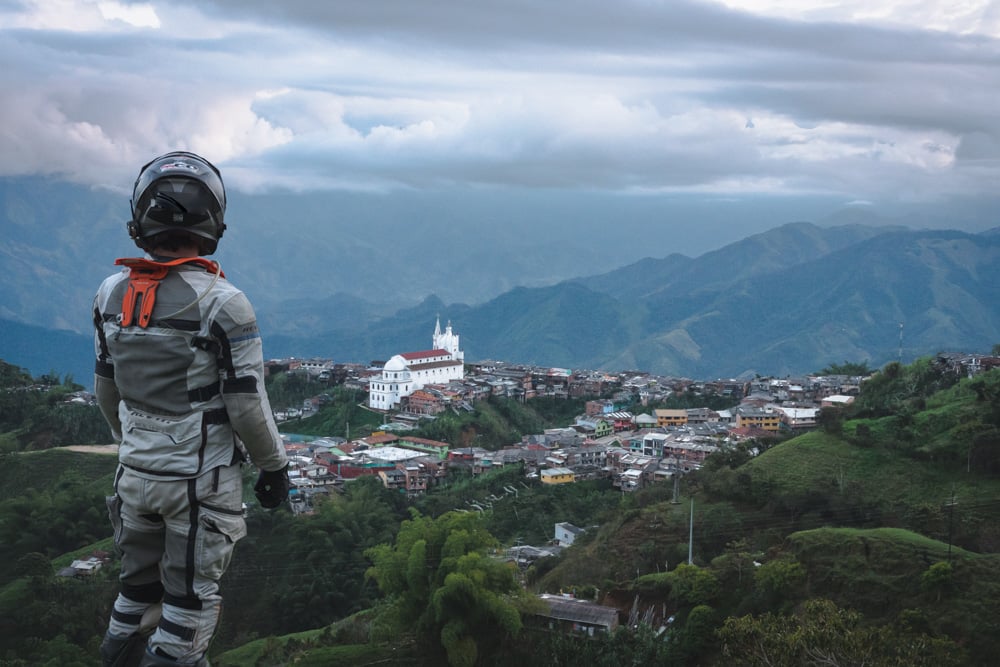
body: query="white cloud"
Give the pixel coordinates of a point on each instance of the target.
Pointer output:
(80, 16)
(955, 16)
(868, 100)
(137, 15)
(63, 15)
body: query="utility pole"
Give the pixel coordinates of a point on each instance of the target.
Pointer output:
(691, 535)
(951, 513)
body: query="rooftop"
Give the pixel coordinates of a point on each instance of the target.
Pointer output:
(580, 611)
(426, 354)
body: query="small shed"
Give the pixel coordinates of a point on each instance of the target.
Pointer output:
(572, 615)
(566, 533)
(82, 568)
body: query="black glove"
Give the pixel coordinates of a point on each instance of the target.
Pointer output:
(271, 487)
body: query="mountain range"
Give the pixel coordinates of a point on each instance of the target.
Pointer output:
(789, 300)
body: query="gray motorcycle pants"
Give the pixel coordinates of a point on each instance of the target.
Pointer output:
(176, 539)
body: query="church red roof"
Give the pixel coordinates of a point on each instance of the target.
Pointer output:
(426, 354)
(435, 364)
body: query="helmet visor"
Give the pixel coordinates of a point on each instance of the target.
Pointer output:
(178, 202)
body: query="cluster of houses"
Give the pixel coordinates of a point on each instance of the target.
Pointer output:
(524, 382)
(632, 450)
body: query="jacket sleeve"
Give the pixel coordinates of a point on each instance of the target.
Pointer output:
(241, 360)
(105, 388)
(107, 401)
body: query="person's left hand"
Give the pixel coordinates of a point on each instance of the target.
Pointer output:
(271, 487)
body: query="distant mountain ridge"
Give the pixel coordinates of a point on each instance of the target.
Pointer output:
(786, 301)
(779, 248)
(841, 295)
(389, 251)
(942, 287)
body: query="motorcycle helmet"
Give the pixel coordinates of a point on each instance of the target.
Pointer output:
(178, 192)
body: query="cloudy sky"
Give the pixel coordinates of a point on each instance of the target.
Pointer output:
(862, 102)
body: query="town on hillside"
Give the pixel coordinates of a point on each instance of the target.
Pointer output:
(632, 450)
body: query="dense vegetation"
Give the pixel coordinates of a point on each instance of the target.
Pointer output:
(36, 413)
(873, 539)
(498, 422)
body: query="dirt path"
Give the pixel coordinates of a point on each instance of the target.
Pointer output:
(94, 449)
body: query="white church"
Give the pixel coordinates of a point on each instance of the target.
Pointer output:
(405, 373)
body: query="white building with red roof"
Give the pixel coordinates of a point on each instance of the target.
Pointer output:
(405, 373)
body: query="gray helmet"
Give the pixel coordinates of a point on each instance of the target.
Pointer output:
(178, 192)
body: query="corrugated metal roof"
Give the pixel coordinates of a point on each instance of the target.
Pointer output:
(580, 611)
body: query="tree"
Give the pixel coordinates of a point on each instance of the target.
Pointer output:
(823, 634)
(851, 368)
(698, 632)
(775, 580)
(831, 420)
(937, 579)
(442, 585)
(288, 390)
(987, 389)
(471, 608)
(33, 566)
(737, 560)
(692, 585)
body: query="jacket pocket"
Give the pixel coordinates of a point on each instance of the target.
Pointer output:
(161, 444)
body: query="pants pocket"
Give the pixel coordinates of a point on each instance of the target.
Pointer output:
(218, 532)
(114, 504)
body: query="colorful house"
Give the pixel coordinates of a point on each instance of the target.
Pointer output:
(666, 417)
(557, 476)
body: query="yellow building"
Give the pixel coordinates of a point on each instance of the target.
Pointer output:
(670, 417)
(557, 476)
(762, 418)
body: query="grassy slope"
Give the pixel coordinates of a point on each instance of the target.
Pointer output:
(341, 643)
(893, 488)
(820, 461)
(45, 469)
(878, 572)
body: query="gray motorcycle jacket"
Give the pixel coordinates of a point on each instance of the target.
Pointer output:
(183, 391)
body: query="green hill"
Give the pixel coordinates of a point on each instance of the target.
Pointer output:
(859, 512)
(874, 538)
